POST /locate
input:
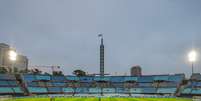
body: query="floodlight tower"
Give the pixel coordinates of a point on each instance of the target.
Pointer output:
(192, 56)
(13, 57)
(101, 55)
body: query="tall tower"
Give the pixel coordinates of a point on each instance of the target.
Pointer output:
(101, 56)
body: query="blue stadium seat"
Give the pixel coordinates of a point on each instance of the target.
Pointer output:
(99, 78)
(81, 90)
(166, 90)
(149, 90)
(58, 78)
(58, 83)
(121, 90)
(42, 77)
(172, 84)
(196, 91)
(72, 78)
(196, 84)
(42, 84)
(144, 84)
(83, 84)
(32, 84)
(29, 78)
(54, 90)
(37, 90)
(145, 79)
(86, 79)
(7, 77)
(186, 91)
(8, 84)
(6, 90)
(17, 90)
(94, 90)
(161, 78)
(108, 90)
(130, 78)
(49, 84)
(176, 78)
(3, 83)
(118, 85)
(68, 90)
(136, 90)
(12, 83)
(117, 79)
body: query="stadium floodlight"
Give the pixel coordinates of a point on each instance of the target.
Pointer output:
(12, 55)
(192, 56)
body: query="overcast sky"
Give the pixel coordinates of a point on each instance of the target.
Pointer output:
(155, 34)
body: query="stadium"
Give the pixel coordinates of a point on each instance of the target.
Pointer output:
(100, 50)
(37, 86)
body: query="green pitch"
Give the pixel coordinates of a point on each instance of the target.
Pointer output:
(102, 99)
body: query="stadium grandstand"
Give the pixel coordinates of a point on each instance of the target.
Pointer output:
(28, 84)
(9, 85)
(157, 84)
(193, 86)
(148, 86)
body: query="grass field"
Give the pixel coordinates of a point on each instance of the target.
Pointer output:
(102, 99)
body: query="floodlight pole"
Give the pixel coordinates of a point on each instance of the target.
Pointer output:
(12, 66)
(192, 58)
(192, 68)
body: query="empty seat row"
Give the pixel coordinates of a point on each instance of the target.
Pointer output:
(191, 91)
(195, 84)
(153, 90)
(141, 79)
(9, 84)
(37, 90)
(10, 90)
(54, 89)
(103, 90)
(166, 90)
(7, 77)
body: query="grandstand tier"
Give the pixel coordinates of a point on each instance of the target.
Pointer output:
(193, 87)
(9, 85)
(49, 84)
